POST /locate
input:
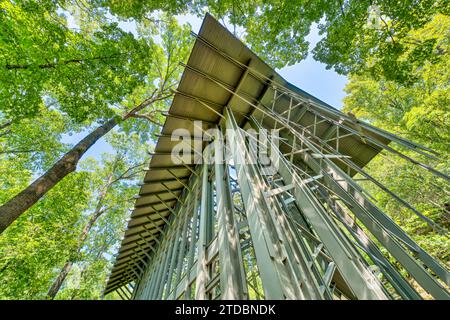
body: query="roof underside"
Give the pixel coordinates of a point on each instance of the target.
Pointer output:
(165, 181)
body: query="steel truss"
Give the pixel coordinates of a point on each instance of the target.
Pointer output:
(237, 229)
(307, 231)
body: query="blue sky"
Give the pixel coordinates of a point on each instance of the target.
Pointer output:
(309, 75)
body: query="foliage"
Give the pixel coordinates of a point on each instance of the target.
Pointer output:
(36, 246)
(67, 66)
(420, 112)
(56, 80)
(82, 72)
(358, 36)
(88, 278)
(42, 239)
(22, 141)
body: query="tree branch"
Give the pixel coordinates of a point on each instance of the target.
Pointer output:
(148, 118)
(18, 151)
(133, 112)
(54, 65)
(388, 30)
(123, 175)
(6, 124)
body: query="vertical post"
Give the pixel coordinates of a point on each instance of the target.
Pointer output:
(348, 261)
(175, 247)
(153, 290)
(202, 272)
(181, 250)
(232, 275)
(187, 293)
(276, 274)
(163, 271)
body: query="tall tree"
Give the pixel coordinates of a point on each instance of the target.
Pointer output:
(67, 66)
(42, 239)
(41, 242)
(22, 142)
(146, 99)
(115, 177)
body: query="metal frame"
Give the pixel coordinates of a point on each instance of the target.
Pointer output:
(308, 230)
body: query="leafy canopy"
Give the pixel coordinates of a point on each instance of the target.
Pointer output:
(80, 71)
(358, 36)
(419, 111)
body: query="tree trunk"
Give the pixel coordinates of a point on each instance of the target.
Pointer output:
(83, 271)
(12, 209)
(59, 280)
(60, 63)
(54, 289)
